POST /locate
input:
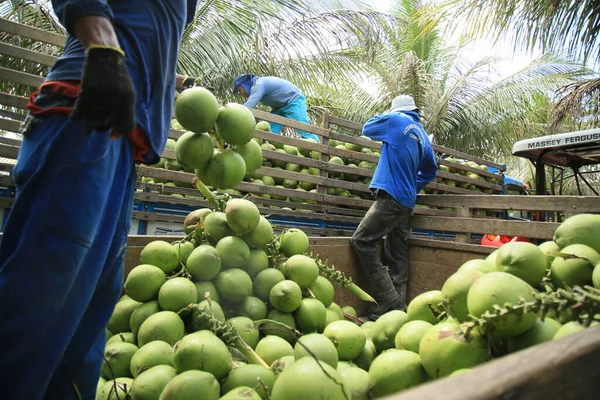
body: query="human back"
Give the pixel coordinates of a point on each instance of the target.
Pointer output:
(405, 147)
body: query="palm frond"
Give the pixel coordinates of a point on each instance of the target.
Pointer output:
(530, 24)
(581, 98)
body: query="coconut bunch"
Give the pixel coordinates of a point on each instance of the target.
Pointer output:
(229, 127)
(233, 301)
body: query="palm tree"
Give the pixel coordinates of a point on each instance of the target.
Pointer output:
(550, 26)
(461, 105)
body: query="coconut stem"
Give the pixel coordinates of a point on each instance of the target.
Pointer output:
(341, 279)
(297, 334)
(217, 202)
(231, 337)
(584, 304)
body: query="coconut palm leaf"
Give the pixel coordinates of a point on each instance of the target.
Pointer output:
(549, 25)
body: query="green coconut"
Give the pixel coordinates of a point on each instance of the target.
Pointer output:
(318, 346)
(160, 254)
(150, 355)
(196, 109)
(187, 385)
(394, 371)
(204, 351)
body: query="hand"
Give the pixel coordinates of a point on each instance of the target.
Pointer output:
(190, 82)
(107, 96)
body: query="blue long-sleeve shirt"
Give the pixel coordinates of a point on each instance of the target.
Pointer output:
(149, 34)
(407, 163)
(273, 92)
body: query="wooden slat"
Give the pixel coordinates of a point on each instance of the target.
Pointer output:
(309, 162)
(462, 178)
(11, 100)
(9, 151)
(580, 204)
(341, 137)
(451, 189)
(289, 122)
(26, 54)
(530, 229)
(468, 157)
(10, 125)
(566, 368)
(20, 78)
(278, 173)
(315, 146)
(12, 115)
(345, 123)
(32, 33)
(463, 167)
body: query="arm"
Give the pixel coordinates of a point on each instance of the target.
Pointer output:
(257, 93)
(90, 21)
(427, 170)
(377, 128)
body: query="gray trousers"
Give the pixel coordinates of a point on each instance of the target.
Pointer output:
(388, 218)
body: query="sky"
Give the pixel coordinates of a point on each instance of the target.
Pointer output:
(478, 49)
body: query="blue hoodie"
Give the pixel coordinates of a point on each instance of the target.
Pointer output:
(407, 162)
(150, 36)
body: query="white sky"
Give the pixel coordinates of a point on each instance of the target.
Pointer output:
(515, 60)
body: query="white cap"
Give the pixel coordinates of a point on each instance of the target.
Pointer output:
(403, 102)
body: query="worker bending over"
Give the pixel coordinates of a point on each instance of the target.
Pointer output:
(284, 98)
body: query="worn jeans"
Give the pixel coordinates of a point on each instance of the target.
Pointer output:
(388, 218)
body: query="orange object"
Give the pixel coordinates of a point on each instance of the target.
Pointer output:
(499, 240)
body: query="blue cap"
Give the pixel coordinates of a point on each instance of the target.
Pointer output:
(241, 79)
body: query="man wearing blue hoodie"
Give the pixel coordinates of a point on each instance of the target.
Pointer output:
(407, 165)
(284, 98)
(105, 105)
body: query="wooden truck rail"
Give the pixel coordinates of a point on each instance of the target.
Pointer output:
(14, 107)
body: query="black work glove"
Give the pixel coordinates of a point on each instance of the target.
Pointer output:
(107, 97)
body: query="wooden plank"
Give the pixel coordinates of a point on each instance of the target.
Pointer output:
(297, 176)
(530, 229)
(26, 54)
(20, 78)
(7, 151)
(30, 32)
(175, 134)
(466, 179)
(565, 368)
(318, 147)
(582, 204)
(342, 137)
(12, 115)
(452, 189)
(345, 123)
(309, 162)
(462, 247)
(468, 157)
(463, 167)
(11, 100)
(289, 122)
(10, 125)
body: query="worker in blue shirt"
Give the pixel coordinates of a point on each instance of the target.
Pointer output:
(284, 98)
(407, 164)
(105, 105)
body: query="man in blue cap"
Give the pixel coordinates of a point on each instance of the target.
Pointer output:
(406, 166)
(105, 105)
(284, 98)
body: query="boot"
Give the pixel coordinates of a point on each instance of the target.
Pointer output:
(386, 296)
